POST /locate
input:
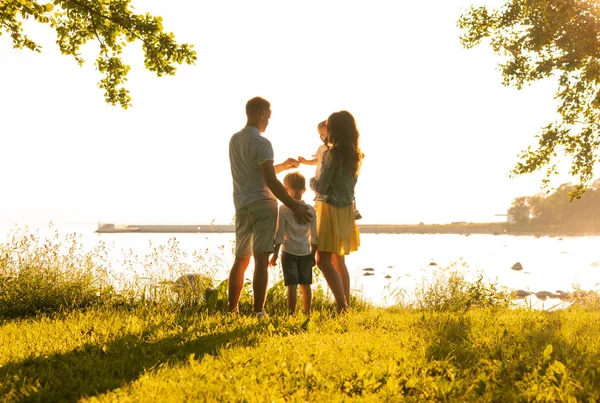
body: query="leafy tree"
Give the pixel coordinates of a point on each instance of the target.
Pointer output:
(555, 210)
(520, 210)
(112, 24)
(549, 38)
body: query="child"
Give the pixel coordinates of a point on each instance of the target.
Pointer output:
(318, 158)
(298, 250)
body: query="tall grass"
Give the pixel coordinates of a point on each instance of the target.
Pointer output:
(45, 275)
(447, 289)
(58, 273)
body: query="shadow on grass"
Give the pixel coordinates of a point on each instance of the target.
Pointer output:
(454, 339)
(451, 341)
(93, 369)
(511, 355)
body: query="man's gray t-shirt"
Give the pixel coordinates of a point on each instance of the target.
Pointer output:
(247, 151)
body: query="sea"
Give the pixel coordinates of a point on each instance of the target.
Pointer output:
(387, 267)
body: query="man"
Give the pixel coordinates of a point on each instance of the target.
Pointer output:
(255, 189)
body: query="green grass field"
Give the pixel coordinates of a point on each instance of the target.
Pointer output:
(67, 334)
(493, 354)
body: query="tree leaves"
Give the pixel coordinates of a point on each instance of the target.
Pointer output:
(549, 38)
(112, 24)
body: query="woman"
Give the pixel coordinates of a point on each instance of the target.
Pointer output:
(336, 226)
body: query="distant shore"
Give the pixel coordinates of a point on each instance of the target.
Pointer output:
(454, 228)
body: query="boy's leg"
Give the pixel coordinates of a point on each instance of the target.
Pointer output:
(292, 297)
(289, 265)
(305, 272)
(306, 298)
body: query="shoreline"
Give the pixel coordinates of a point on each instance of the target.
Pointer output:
(455, 228)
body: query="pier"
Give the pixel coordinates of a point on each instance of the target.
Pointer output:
(455, 228)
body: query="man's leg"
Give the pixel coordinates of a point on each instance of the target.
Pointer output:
(264, 221)
(243, 251)
(236, 281)
(260, 280)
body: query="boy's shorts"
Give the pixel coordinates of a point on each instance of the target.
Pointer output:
(255, 228)
(296, 269)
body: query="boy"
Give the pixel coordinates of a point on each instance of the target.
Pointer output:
(299, 246)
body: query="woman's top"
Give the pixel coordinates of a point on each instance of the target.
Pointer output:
(334, 185)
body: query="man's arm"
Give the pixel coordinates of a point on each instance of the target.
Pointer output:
(267, 171)
(301, 210)
(279, 236)
(287, 164)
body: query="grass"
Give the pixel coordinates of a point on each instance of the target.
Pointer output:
(374, 354)
(79, 338)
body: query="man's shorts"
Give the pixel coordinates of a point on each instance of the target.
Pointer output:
(296, 269)
(255, 228)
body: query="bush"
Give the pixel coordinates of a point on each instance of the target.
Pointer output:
(448, 290)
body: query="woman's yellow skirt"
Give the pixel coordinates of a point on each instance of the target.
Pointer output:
(336, 229)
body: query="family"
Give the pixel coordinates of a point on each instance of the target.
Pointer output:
(323, 235)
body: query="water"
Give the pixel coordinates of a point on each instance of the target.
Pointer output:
(399, 261)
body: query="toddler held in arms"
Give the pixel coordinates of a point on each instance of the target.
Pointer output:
(298, 243)
(318, 158)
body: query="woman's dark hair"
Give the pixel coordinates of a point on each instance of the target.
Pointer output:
(343, 135)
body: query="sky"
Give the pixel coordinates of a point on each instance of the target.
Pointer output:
(439, 131)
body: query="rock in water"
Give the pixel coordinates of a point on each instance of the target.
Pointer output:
(517, 266)
(433, 264)
(369, 269)
(368, 274)
(543, 294)
(388, 276)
